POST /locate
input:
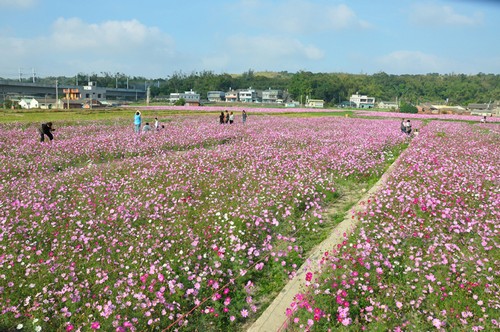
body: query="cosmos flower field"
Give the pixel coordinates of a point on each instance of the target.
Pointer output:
(426, 255)
(192, 227)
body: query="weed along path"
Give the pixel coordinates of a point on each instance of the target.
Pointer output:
(274, 317)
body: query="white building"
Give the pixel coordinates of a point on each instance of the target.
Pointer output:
(232, 96)
(388, 104)
(216, 96)
(315, 103)
(362, 101)
(190, 97)
(484, 109)
(248, 96)
(271, 96)
(28, 103)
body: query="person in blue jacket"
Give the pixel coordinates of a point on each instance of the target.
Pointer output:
(137, 122)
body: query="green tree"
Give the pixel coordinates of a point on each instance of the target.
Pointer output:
(7, 103)
(408, 108)
(180, 102)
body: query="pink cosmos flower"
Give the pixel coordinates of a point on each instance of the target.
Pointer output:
(144, 277)
(437, 323)
(346, 321)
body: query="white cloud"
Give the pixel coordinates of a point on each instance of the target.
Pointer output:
(262, 52)
(341, 17)
(18, 3)
(112, 36)
(271, 47)
(435, 15)
(412, 62)
(77, 46)
(299, 16)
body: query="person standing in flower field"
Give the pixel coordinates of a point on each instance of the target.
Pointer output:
(46, 129)
(403, 126)
(231, 118)
(221, 118)
(157, 124)
(244, 116)
(137, 122)
(408, 127)
(226, 117)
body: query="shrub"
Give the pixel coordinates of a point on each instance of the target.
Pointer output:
(408, 108)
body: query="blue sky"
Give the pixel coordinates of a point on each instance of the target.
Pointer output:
(156, 38)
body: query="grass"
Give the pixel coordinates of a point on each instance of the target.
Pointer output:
(73, 116)
(116, 114)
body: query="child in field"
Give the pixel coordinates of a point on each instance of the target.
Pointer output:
(146, 127)
(157, 124)
(46, 129)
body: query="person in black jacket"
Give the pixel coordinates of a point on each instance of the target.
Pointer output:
(46, 129)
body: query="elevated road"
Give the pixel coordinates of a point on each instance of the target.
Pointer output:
(44, 90)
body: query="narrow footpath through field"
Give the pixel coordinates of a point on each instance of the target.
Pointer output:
(274, 318)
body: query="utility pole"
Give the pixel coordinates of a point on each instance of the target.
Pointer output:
(57, 96)
(33, 70)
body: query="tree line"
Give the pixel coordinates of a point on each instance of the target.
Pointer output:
(333, 88)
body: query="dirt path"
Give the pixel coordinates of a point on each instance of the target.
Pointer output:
(274, 318)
